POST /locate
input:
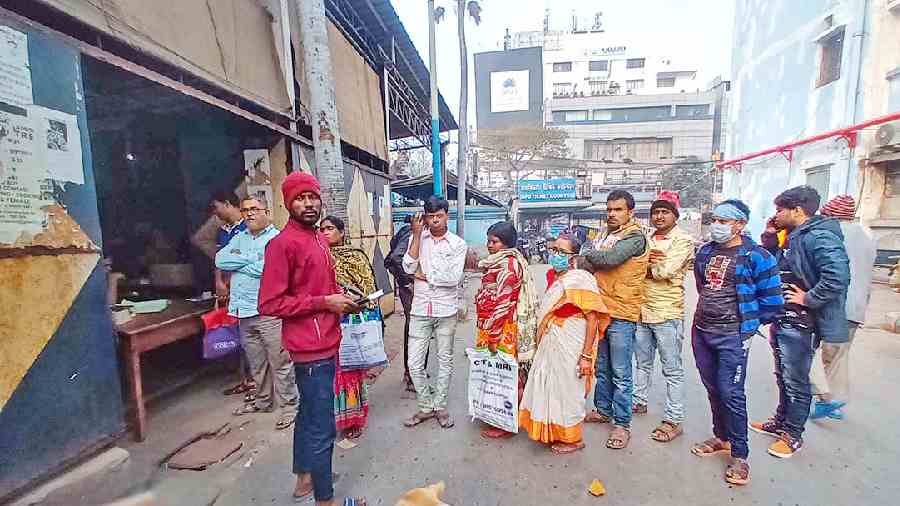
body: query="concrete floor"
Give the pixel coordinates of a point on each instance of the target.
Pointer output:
(848, 462)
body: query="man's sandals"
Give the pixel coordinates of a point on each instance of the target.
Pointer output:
(618, 438)
(737, 472)
(711, 447)
(443, 417)
(596, 417)
(667, 431)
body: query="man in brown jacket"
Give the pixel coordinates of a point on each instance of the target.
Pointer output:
(619, 260)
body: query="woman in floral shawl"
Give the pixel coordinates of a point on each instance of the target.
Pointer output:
(355, 274)
(506, 305)
(573, 317)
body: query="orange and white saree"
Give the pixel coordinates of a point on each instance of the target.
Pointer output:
(553, 407)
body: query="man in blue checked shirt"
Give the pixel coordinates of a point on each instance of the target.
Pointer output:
(739, 289)
(270, 364)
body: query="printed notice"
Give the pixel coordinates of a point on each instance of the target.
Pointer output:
(23, 181)
(59, 144)
(15, 72)
(256, 164)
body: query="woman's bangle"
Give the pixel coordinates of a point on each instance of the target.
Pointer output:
(589, 357)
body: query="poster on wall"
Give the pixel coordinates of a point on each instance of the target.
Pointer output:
(22, 180)
(509, 91)
(15, 73)
(257, 165)
(58, 141)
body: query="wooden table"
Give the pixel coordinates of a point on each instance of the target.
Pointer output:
(145, 332)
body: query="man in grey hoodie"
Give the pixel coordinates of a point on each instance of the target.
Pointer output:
(815, 274)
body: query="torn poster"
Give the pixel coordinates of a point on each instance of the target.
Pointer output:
(256, 164)
(15, 72)
(261, 191)
(59, 143)
(23, 181)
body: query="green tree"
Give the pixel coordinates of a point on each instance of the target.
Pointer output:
(694, 181)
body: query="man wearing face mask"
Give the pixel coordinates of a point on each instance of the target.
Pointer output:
(619, 261)
(739, 290)
(815, 271)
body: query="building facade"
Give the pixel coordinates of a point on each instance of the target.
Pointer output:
(806, 70)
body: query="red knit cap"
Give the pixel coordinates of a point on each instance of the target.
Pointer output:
(842, 207)
(296, 183)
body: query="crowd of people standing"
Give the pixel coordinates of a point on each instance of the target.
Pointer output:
(611, 306)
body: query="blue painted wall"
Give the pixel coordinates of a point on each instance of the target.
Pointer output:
(70, 399)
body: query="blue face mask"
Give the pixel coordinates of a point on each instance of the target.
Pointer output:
(720, 232)
(559, 262)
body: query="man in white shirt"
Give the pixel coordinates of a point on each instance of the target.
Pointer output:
(436, 258)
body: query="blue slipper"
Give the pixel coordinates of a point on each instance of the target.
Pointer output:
(825, 409)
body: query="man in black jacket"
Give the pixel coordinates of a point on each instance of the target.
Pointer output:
(815, 274)
(403, 288)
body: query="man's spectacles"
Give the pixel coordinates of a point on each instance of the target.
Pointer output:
(560, 251)
(252, 210)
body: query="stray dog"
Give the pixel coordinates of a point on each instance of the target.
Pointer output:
(426, 496)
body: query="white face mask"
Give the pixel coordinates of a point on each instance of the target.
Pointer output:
(720, 232)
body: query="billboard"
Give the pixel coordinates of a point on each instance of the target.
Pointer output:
(509, 91)
(547, 190)
(509, 88)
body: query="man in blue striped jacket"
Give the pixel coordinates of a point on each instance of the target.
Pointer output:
(739, 289)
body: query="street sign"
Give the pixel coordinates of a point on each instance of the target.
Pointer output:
(547, 190)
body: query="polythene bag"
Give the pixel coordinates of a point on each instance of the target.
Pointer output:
(362, 341)
(494, 388)
(222, 335)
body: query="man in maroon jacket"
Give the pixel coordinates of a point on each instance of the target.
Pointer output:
(299, 286)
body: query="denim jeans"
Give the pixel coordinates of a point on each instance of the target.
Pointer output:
(421, 330)
(792, 346)
(315, 430)
(667, 338)
(722, 363)
(612, 394)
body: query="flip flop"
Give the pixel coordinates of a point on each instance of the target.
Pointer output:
(560, 449)
(418, 418)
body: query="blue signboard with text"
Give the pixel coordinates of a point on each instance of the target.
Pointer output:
(547, 190)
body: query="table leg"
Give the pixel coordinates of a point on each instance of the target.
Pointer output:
(133, 373)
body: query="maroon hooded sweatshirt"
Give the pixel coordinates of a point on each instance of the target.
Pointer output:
(298, 274)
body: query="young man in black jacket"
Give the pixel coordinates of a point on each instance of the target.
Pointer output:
(815, 274)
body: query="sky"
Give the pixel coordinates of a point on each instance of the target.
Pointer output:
(697, 31)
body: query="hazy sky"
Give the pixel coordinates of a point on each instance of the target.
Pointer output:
(693, 31)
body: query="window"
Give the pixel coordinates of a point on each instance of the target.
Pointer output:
(890, 206)
(601, 115)
(576, 116)
(830, 57)
(638, 149)
(668, 82)
(634, 63)
(598, 65)
(559, 116)
(597, 87)
(635, 84)
(692, 111)
(819, 178)
(565, 66)
(562, 89)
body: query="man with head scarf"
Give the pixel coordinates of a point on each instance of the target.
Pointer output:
(830, 374)
(739, 290)
(661, 328)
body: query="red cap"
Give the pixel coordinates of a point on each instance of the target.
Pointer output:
(296, 183)
(670, 196)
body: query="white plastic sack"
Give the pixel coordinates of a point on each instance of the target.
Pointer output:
(494, 389)
(362, 341)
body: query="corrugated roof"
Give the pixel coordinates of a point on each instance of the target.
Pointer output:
(382, 22)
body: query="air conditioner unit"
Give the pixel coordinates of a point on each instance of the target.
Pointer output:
(888, 134)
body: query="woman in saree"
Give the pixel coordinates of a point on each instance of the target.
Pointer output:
(506, 305)
(572, 318)
(356, 276)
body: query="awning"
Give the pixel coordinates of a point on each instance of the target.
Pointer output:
(422, 187)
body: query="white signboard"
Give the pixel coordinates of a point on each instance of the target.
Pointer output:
(509, 91)
(15, 74)
(21, 179)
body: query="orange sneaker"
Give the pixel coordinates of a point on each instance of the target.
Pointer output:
(770, 427)
(786, 446)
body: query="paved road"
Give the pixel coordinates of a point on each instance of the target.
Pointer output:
(850, 462)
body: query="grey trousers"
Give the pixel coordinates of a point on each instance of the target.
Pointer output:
(270, 364)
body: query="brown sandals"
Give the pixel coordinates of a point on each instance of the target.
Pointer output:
(738, 472)
(618, 438)
(596, 417)
(566, 448)
(711, 447)
(667, 431)
(418, 418)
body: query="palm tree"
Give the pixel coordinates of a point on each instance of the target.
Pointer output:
(474, 10)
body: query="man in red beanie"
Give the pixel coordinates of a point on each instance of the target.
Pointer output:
(299, 286)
